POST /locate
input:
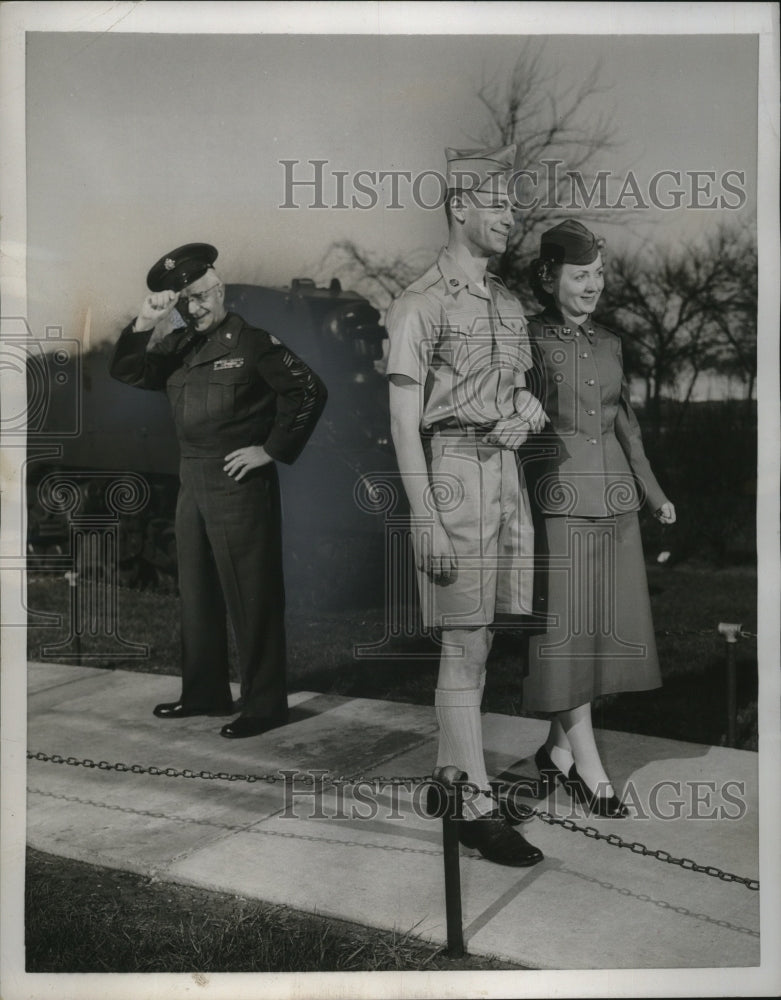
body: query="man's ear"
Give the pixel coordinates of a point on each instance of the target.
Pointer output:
(457, 205)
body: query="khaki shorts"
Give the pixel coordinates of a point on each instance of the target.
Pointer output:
(479, 494)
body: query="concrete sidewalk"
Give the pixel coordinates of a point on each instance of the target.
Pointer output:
(371, 858)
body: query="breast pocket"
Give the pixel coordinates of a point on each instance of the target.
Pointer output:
(454, 350)
(226, 392)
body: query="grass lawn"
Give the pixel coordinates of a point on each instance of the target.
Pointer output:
(687, 600)
(81, 918)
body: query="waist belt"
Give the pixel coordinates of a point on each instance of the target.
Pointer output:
(452, 430)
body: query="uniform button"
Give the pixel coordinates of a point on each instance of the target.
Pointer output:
(584, 354)
(592, 440)
(589, 381)
(454, 281)
(591, 412)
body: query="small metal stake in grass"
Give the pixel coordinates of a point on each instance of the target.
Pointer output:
(449, 779)
(73, 578)
(731, 632)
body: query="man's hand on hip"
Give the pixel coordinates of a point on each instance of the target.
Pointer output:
(238, 463)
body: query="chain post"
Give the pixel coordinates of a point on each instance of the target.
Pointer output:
(444, 799)
(73, 578)
(731, 632)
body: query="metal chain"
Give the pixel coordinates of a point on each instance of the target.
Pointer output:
(524, 813)
(637, 848)
(174, 772)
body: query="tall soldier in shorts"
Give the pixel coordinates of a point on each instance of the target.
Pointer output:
(460, 408)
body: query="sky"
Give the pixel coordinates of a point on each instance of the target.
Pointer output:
(140, 142)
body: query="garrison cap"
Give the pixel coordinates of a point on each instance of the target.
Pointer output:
(470, 169)
(181, 267)
(569, 243)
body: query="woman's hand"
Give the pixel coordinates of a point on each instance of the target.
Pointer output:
(666, 513)
(529, 408)
(434, 552)
(509, 432)
(238, 463)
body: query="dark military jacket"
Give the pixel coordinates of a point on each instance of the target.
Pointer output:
(235, 387)
(589, 460)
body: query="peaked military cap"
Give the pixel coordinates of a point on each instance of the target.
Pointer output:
(569, 243)
(181, 267)
(470, 169)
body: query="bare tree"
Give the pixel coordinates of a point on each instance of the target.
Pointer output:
(560, 131)
(561, 134)
(380, 279)
(732, 305)
(686, 312)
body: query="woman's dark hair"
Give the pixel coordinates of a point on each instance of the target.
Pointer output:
(544, 270)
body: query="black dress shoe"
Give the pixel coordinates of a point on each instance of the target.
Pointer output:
(607, 806)
(497, 841)
(176, 710)
(252, 725)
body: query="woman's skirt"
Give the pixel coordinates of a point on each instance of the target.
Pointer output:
(598, 639)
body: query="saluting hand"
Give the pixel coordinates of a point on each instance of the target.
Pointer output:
(156, 307)
(666, 513)
(238, 463)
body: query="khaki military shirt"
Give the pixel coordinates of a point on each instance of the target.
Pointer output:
(467, 345)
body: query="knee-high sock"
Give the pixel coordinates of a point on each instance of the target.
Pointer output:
(461, 742)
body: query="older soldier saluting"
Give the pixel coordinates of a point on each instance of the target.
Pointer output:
(241, 402)
(460, 407)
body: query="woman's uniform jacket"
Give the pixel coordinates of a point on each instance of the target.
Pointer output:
(589, 460)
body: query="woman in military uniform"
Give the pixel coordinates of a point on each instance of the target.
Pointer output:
(588, 477)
